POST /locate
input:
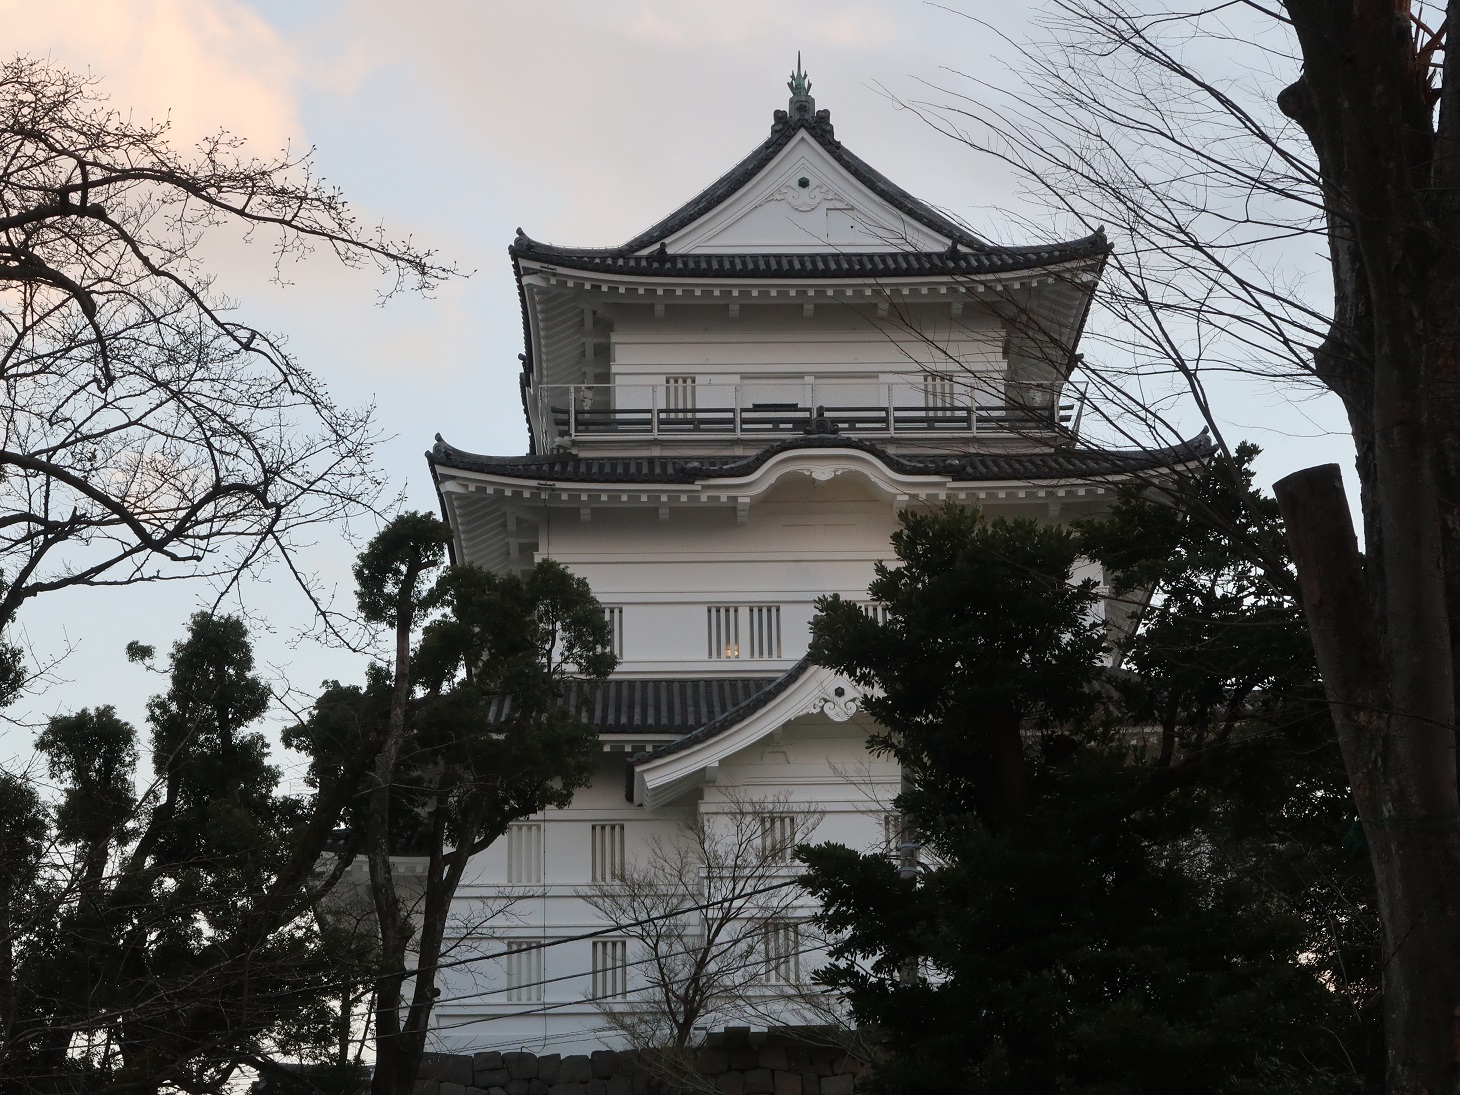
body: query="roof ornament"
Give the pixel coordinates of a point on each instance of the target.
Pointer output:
(820, 424)
(799, 83)
(803, 106)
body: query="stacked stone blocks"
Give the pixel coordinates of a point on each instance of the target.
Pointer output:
(732, 1062)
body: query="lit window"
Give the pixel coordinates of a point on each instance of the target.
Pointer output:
(610, 969)
(608, 853)
(724, 631)
(524, 852)
(760, 637)
(524, 971)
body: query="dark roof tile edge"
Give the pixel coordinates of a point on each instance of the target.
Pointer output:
(960, 467)
(730, 718)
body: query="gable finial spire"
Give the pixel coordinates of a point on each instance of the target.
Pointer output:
(803, 106)
(799, 84)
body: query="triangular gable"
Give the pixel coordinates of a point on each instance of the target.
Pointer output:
(894, 208)
(804, 201)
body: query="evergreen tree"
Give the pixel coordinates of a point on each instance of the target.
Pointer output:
(1098, 905)
(163, 937)
(474, 735)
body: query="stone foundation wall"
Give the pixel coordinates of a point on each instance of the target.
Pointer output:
(732, 1062)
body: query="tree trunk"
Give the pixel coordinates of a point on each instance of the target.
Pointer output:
(1403, 786)
(392, 916)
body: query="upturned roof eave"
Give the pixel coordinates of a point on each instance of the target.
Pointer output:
(712, 472)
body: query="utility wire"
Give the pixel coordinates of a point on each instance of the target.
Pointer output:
(589, 999)
(94, 1020)
(652, 957)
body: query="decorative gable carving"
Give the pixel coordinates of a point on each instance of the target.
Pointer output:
(804, 198)
(803, 201)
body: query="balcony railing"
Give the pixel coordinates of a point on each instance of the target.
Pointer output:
(685, 410)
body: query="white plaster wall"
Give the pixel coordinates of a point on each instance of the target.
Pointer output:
(814, 764)
(839, 339)
(803, 540)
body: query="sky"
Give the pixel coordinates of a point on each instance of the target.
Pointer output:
(457, 122)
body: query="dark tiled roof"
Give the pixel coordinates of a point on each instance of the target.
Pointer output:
(732, 717)
(971, 256)
(783, 128)
(891, 264)
(961, 467)
(630, 705)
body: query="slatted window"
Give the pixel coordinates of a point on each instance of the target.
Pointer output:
(763, 635)
(939, 392)
(608, 853)
(614, 614)
(679, 396)
(781, 941)
(724, 631)
(524, 852)
(743, 631)
(524, 971)
(777, 837)
(610, 969)
(875, 609)
(891, 831)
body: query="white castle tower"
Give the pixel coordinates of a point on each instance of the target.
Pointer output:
(726, 414)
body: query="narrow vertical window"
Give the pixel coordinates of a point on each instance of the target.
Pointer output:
(777, 837)
(891, 832)
(759, 637)
(524, 971)
(524, 852)
(764, 632)
(608, 853)
(610, 969)
(938, 392)
(781, 941)
(679, 396)
(724, 631)
(875, 609)
(614, 614)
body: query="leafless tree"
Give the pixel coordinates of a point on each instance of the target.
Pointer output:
(147, 432)
(1222, 146)
(736, 956)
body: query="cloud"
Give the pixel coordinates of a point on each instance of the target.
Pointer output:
(202, 64)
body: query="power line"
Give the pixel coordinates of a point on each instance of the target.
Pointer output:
(544, 1009)
(652, 957)
(95, 1020)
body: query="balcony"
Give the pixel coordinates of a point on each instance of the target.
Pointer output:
(685, 410)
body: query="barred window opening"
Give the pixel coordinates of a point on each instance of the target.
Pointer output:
(524, 852)
(524, 961)
(781, 942)
(759, 637)
(679, 396)
(777, 837)
(610, 969)
(608, 853)
(614, 614)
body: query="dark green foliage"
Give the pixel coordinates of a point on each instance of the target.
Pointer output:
(392, 565)
(451, 774)
(163, 931)
(1140, 886)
